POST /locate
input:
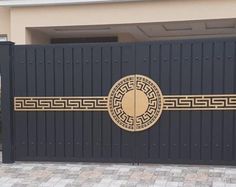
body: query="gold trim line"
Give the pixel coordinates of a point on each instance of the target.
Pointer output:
(99, 103)
(200, 102)
(96, 103)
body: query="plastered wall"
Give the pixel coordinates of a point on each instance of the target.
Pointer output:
(5, 21)
(115, 13)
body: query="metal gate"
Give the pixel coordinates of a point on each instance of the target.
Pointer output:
(158, 102)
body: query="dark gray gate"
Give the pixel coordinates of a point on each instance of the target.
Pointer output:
(189, 67)
(70, 71)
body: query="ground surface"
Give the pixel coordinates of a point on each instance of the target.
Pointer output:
(35, 174)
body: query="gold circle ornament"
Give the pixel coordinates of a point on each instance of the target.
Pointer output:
(135, 103)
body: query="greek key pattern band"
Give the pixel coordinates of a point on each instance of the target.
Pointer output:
(200, 102)
(170, 102)
(60, 103)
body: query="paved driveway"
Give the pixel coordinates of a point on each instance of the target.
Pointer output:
(113, 175)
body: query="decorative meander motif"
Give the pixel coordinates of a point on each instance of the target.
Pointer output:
(115, 98)
(154, 106)
(135, 103)
(200, 102)
(60, 103)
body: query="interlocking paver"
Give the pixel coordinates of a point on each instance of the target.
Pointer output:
(48, 174)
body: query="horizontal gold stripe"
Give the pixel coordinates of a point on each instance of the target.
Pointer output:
(96, 103)
(99, 103)
(200, 102)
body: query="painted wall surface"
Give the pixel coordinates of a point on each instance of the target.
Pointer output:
(117, 13)
(36, 37)
(5, 21)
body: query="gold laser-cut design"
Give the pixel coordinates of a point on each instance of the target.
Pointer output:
(200, 102)
(133, 120)
(115, 97)
(60, 103)
(124, 101)
(155, 103)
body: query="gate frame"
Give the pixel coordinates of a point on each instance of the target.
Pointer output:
(6, 61)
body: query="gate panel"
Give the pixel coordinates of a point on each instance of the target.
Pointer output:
(228, 117)
(116, 72)
(207, 87)
(143, 68)
(185, 88)
(20, 85)
(196, 86)
(155, 73)
(97, 91)
(165, 87)
(218, 67)
(65, 71)
(193, 127)
(78, 91)
(69, 125)
(175, 73)
(50, 116)
(40, 91)
(59, 91)
(127, 68)
(106, 86)
(189, 68)
(31, 79)
(87, 91)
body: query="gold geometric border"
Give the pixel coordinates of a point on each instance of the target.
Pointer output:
(200, 102)
(114, 103)
(115, 98)
(155, 102)
(99, 103)
(96, 103)
(148, 118)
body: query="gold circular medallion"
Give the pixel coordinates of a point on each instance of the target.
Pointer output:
(135, 103)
